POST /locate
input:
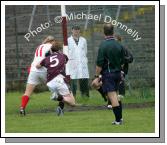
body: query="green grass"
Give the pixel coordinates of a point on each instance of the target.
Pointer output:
(136, 120)
(41, 101)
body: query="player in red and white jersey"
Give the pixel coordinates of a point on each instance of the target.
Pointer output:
(36, 76)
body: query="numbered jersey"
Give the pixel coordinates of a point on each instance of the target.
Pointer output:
(39, 56)
(55, 64)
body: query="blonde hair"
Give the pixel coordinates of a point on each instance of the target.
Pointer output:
(48, 39)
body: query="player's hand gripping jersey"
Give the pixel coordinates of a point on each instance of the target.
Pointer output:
(39, 56)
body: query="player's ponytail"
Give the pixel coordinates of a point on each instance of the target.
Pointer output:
(48, 39)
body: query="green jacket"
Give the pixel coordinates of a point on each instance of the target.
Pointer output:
(110, 55)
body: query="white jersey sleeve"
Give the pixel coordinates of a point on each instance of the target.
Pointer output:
(39, 56)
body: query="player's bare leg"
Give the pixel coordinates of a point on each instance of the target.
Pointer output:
(69, 99)
(29, 89)
(113, 98)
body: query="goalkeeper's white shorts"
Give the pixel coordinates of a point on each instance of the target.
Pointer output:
(58, 86)
(36, 78)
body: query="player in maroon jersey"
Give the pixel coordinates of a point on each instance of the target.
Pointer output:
(55, 64)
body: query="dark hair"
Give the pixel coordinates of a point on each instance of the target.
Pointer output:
(76, 27)
(56, 46)
(108, 29)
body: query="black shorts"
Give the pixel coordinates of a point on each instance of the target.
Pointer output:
(111, 81)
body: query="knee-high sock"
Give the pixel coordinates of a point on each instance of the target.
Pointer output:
(117, 113)
(120, 105)
(24, 101)
(61, 104)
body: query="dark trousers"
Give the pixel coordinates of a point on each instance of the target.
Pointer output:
(84, 87)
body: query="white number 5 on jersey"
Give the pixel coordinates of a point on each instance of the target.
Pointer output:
(55, 60)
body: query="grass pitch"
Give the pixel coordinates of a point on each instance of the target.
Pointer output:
(139, 120)
(135, 121)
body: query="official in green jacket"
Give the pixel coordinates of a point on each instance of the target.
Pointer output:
(109, 62)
